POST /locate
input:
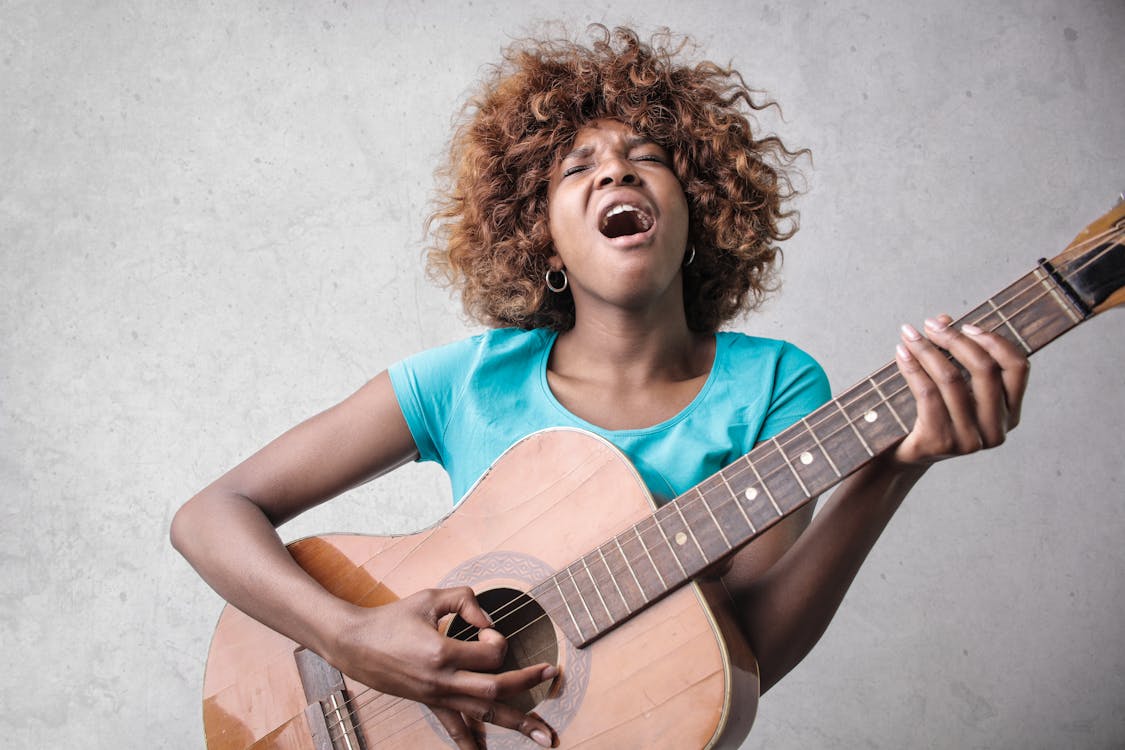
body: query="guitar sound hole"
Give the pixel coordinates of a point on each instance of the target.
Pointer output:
(530, 634)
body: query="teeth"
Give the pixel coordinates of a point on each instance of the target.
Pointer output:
(621, 208)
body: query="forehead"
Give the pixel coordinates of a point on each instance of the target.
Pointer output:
(595, 132)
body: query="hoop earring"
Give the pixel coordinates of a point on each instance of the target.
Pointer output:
(561, 287)
(691, 256)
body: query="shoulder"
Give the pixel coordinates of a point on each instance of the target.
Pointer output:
(440, 388)
(760, 353)
(779, 379)
(446, 371)
(493, 342)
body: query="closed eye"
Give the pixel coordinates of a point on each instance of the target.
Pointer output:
(575, 169)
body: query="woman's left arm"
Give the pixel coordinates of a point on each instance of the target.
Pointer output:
(787, 588)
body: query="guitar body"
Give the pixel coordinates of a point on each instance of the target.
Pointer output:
(564, 515)
(678, 675)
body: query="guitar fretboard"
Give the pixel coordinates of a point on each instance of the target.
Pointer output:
(728, 509)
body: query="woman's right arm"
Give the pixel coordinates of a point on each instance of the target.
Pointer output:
(227, 532)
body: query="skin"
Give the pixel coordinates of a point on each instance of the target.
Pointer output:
(629, 361)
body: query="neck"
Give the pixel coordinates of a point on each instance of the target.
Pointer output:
(630, 346)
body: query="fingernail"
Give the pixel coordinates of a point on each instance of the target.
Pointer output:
(935, 325)
(541, 737)
(903, 353)
(911, 332)
(971, 329)
(550, 672)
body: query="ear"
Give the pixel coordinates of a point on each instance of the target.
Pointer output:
(555, 262)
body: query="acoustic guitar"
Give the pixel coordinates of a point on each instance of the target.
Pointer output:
(648, 656)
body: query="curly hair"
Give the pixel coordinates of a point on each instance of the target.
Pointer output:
(489, 228)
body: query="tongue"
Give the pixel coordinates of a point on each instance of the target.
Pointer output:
(622, 224)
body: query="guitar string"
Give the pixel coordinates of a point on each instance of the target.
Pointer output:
(1017, 294)
(800, 436)
(812, 427)
(1005, 315)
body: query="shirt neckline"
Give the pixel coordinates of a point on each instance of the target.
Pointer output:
(550, 337)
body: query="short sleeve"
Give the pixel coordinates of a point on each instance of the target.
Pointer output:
(800, 387)
(428, 385)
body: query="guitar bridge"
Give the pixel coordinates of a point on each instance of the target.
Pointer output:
(329, 712)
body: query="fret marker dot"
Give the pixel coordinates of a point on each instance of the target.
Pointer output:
(806, 458)
(681, 538)
(751, 493)
(871, 416)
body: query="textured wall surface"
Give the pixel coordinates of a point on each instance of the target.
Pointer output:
(210, 228)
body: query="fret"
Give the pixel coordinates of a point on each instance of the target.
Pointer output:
(809, 457)
(787, 489)
(702, 524)
(738, 504)
(792, 468)
(750, 494)
(901, 400)
(676, 531)
(710, 512)
(1038, 319)
(598, 591)
(660, 549)
(823, 451)
(887, 401)
(627, 608)
(866, 447)
(1064, 302)
(763, 485)
(582, 599)
(866, 410)
(648, 553)
(632, 571)
(1011, 328)
(569, 611)
(837, 436)
(687, 529)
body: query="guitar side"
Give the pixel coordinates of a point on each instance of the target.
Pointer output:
(677, 675)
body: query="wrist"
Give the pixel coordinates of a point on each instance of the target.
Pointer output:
(901, 461)
(893, 476)
(331, 633)
(880, 486)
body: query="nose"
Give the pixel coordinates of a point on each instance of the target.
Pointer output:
(618, 171)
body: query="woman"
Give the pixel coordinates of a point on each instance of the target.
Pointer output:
(608, 209)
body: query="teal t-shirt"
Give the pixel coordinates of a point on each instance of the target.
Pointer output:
(468, 402)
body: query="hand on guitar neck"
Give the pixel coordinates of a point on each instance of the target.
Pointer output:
(962, 409)
(967, 387)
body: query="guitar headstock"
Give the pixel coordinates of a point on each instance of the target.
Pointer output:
(1093, 264)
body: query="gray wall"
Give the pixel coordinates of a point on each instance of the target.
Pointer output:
(210, 227)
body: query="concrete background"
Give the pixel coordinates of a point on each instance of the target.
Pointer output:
(210, 228)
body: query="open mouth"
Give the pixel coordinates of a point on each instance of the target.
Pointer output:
(625, 219)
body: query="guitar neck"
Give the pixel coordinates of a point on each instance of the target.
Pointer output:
(731, 507)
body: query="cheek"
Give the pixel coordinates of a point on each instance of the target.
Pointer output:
(683, 216)
(554, 225)
(561, 223)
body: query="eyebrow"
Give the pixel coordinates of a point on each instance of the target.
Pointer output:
(631, 143)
